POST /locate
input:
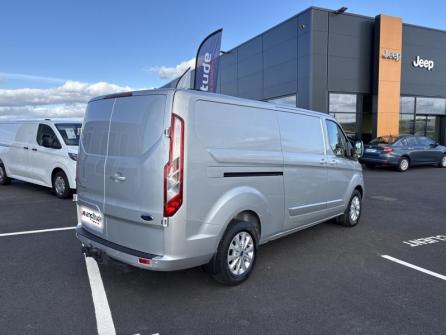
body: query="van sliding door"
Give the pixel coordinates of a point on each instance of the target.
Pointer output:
(305, 174)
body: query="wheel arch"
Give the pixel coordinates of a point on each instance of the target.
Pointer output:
(239, 204)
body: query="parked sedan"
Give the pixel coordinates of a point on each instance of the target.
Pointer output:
(403, 151)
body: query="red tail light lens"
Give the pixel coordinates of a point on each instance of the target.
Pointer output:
(173, 171)
(387, 150)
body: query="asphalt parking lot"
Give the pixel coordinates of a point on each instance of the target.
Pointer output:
(324, 280)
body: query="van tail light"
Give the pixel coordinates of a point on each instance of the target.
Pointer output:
(173, 171)
(387, 149)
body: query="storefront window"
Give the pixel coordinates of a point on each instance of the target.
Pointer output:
(285, 100)
(407, 115)
(429, 106)
(343, 108)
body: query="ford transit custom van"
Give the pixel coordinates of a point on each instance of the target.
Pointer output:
(42, 152)
(172, 179)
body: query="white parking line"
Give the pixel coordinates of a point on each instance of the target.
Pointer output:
(434, 274)
(104, 320)
(36, 231)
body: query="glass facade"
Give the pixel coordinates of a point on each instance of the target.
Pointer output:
(343, 107)
(431, 106)
(285, 100)
(407, 115)
(421, 116)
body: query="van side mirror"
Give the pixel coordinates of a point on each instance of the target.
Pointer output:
(359, 149)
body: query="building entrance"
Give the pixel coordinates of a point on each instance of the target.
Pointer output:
(428, 125)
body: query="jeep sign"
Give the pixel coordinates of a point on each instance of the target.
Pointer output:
(395, 55)
(423, 63)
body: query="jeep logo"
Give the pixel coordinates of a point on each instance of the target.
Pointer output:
(423, 63)
(392, 55)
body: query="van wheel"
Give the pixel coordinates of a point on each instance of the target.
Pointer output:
(236, 254)
(4, 179)
(403, 164)
(352, 214)
(61, 187)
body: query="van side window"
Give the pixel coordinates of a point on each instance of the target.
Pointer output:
(301, 133)
(47, 138)
(336, 139)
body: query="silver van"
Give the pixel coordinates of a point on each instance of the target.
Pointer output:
(172, 179)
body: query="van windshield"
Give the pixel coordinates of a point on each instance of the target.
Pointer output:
(70, 132)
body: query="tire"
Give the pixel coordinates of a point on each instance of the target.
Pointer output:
(223, 272)
(442, 162)
(403, 164)
(352, 214)
(4, 179)
(61, 187)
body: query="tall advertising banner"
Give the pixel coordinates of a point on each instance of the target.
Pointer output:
(207, 63)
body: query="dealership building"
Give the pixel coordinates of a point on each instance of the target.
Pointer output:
(375, 75)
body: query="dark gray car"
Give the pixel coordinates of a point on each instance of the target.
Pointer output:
(403, 151)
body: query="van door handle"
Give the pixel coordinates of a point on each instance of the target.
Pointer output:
(332, 162)
(34, 149)
(26, 148)
(118, 177)
(322, 161)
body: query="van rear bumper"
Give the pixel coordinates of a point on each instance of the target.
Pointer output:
(132, 257)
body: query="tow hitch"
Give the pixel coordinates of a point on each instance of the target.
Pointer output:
(93, 252)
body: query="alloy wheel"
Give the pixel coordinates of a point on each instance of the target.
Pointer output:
(59, 185)
(240, 253)
(404, 164)
(355, 208)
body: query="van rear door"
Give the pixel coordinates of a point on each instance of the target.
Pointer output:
(133, 174)
(92, 155)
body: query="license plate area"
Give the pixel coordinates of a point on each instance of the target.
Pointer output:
(91, 217)
(370, 150)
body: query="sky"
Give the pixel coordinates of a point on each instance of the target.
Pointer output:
(55, 55)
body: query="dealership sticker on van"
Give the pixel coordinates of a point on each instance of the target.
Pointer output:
(91, 217)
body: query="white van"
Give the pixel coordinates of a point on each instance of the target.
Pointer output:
(42, 152)
(171, 179)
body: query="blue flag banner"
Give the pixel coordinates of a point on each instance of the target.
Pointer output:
(207, 63)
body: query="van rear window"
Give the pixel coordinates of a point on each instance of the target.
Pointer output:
(136, 125)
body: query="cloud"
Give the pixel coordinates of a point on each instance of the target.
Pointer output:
(166, 72)
(67, 100)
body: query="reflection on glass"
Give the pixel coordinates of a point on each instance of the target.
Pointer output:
(342, 103)
(407, 105)
(285, 100)
(431, 106)
(347, 121)
(343, 108)
(406, 123)
(428, 126)
(433, 128)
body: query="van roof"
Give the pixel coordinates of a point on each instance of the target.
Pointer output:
(57, 120)
(216, 96)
